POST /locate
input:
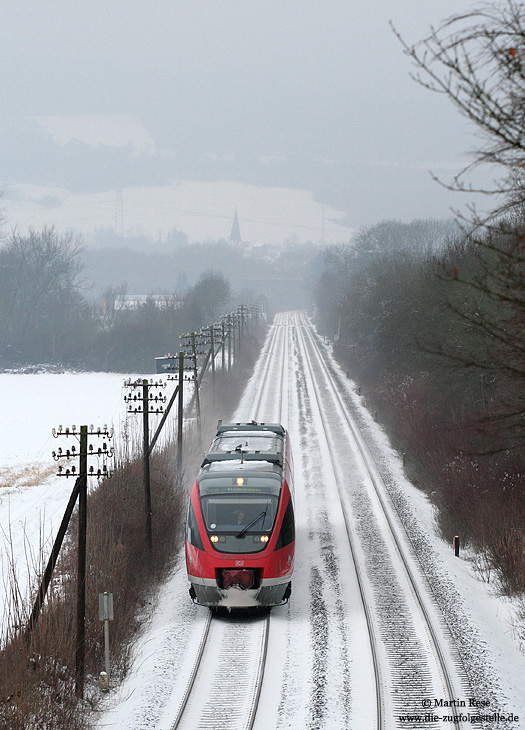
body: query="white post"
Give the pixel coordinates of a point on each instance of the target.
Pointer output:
(106, 635)
(105, 613)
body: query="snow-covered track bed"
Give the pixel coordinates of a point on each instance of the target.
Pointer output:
(261, 390)
(414, 660)
(224, 688)
(266, 401)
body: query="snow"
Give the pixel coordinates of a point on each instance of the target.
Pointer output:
(490, 618)
(317, 642)
(32, 497)
(96, 130)
(202, 210)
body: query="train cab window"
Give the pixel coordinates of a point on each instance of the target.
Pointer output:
(260, 442)
(287, 533)
(192, 530)
(229, 514)
(239, 524)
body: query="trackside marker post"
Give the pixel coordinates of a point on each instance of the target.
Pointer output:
(456, 546)
(105, 613)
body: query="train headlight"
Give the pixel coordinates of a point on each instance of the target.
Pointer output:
(264, 538)
(214, 538)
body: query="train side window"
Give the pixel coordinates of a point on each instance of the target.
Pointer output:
(287, 533)
(192, 530)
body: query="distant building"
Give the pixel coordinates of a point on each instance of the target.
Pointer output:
(266, 251)
(132, 302)
(235, 235)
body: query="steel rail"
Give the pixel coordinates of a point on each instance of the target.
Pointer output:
(194, 672)
(262, 664)
(358, 569)
(260, 675)
(269, 352)
(376, 481)
(284, 361)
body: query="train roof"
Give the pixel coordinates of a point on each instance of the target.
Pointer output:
(234, 457)
(235, 467)
(238, 443)
(251, 426)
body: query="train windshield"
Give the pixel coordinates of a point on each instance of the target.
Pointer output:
(258, 442)
(240, 515)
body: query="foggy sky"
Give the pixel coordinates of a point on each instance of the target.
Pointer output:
(301, 93)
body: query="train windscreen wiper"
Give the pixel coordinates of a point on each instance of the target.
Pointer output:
(251, 524)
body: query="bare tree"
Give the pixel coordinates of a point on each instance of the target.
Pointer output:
(208, 299)
(39, 297)
(478, 61)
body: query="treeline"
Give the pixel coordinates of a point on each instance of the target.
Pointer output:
(279, 273)
(45, 317)
(431, 324)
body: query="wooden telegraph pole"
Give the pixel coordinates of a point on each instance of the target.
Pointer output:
(48, 573)
(180, 414)
(81, 565)
(80, 491)
(212, 354)
(147, 403)
(196, 379)
(240, 319)
(234, 325)
(223, 337)
(145, 463)
(229, 342)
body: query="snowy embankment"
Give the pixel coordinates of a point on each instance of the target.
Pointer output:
(490, 626)
(32, 497)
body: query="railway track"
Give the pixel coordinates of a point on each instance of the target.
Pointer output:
(361, 643)
(411, 661)
(408, 660)
(224, 687)
(225, 683)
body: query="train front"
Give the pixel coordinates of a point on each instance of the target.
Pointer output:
(240, 534)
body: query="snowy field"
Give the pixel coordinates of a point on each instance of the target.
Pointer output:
(202, 210)
(32, 497)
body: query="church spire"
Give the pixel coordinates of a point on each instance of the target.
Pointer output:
(235, 235)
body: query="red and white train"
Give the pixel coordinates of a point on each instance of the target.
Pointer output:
(240, 536)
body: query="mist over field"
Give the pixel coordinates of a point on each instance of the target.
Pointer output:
(312, 100)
